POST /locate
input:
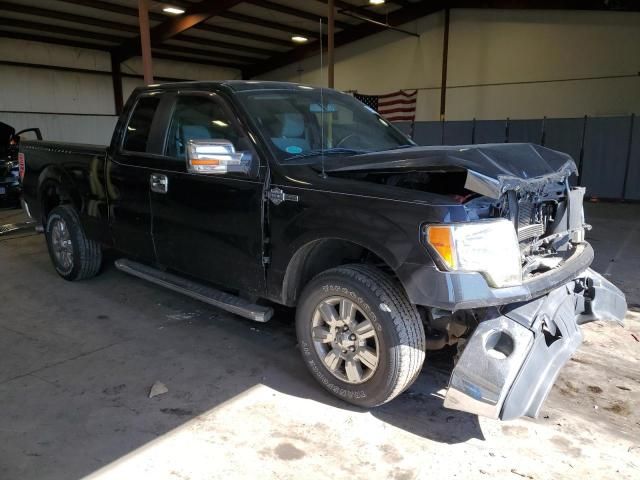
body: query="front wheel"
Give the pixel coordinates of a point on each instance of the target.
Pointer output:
(360, 336)
(74, 256)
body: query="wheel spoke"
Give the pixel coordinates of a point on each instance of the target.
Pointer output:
(332, 359)
(328, 313)
(347, 311)
(368, 357)
(353, 369)
(321, 334)
(365, 329)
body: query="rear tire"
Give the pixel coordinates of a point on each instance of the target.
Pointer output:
(359, 335)
(74, 256)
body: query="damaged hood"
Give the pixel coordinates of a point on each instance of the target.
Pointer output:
(491, 168)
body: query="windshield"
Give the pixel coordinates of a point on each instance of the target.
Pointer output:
(306, 123)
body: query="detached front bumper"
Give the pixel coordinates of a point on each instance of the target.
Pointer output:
(512, 359)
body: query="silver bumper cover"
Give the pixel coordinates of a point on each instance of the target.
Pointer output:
(513, 358)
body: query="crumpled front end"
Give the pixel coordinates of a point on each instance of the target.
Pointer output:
(514, 356)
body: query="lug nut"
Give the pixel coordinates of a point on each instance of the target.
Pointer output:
(345, 328)
(352, 348)
(352, 336)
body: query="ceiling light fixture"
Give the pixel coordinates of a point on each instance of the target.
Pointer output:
(299, 39)
(376, 2)
(173, 10)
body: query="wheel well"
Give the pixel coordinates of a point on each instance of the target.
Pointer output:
(53, 195)
(320, 255)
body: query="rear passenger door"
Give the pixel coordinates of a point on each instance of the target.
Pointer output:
(209, 226)
(128, 175)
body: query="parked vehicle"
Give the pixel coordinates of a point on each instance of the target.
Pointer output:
(9, 171)
(307, 198)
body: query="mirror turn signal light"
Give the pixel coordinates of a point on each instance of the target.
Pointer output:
(211, 156)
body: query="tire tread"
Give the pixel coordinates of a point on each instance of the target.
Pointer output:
(410, 351)
(89, 251)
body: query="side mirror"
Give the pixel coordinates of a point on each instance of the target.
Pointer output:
(212, 157)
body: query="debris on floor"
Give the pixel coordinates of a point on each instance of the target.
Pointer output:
(158, 388)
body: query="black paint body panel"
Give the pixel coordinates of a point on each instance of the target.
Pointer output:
(219, 228)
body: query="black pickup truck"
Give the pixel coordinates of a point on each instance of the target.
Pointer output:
(244, 193)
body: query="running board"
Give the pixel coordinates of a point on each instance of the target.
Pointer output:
(206, 294)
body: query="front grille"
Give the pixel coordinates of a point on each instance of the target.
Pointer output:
(530, 231)
(525, 214)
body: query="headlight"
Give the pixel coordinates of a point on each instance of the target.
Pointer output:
(489, 247)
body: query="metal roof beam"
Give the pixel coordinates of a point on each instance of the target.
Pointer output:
(195, 15)
(294, 12)
(270, 24)
(119, 9)
(344, 37)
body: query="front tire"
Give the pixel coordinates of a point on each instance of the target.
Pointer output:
(359, 335)
(74, 256)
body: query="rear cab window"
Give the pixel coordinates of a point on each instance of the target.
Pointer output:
(138, 130)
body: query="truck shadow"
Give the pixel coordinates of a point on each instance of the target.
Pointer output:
(419, 410)
(90, 350)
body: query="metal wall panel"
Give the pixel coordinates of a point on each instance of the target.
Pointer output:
(428, 133)
(404, 127)
(633, 178)
(525, 131)
(458, 132)
(65, 128)
(565, 135)
(490, 131)
(605, 152)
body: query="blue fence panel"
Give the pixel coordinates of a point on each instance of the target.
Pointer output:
(605, 153)
(458, 132)
(428, 133)
(490, 131)
(633, 177)
(404, 127)
(525, 131)
(564, 135)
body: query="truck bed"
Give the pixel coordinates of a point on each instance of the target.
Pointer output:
(81, 166)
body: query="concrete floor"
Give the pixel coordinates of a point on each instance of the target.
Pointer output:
(77, 361)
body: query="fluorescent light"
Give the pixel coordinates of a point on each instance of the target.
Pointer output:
(173, 10)
(376, 2)
(299, 39)
(220, 123)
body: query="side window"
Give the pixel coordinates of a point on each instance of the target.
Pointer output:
(137, 133)
(196, 117)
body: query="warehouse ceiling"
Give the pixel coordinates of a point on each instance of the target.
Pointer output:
(254, 36)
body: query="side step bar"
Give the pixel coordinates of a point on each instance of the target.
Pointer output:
(206, 294)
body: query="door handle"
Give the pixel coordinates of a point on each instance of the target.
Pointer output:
(159, 183)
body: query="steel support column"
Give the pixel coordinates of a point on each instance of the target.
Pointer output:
(145, 41)
(445, 55)
(116, 77)
(330, 42)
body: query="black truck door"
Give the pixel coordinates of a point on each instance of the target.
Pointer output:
(208, 226)
(128, 176)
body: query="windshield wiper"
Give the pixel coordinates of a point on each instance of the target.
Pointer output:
(327, 151)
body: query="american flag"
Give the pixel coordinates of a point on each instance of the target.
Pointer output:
(398, 106)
